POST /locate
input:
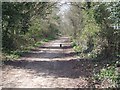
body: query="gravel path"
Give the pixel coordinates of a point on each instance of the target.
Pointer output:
(49, 66)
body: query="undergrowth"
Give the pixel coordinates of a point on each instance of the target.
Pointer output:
(14, 55)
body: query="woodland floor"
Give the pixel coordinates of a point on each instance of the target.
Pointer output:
(51, 66)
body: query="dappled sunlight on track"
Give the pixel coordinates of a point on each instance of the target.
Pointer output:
(49, 66)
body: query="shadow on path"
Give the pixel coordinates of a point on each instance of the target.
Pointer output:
(67, 69)
(56, 67)
(48, 55)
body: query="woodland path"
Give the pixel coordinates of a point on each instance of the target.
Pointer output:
(49, 66)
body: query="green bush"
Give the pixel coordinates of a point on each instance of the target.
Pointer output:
(77, 48)
(108, 73)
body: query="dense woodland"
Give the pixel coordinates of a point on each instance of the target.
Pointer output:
(26, 23)
(94, 28)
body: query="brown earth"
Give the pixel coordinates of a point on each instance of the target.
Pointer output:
(50, 66)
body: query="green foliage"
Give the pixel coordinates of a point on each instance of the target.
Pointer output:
(98, 36)
(11, 56)
(77, 48)
(107, 16)
(45, 40)
(37, 44)
(87, 41)
(107, 73)
(74, 43)
(24, 24)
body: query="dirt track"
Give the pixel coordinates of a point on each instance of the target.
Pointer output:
(49, 66)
